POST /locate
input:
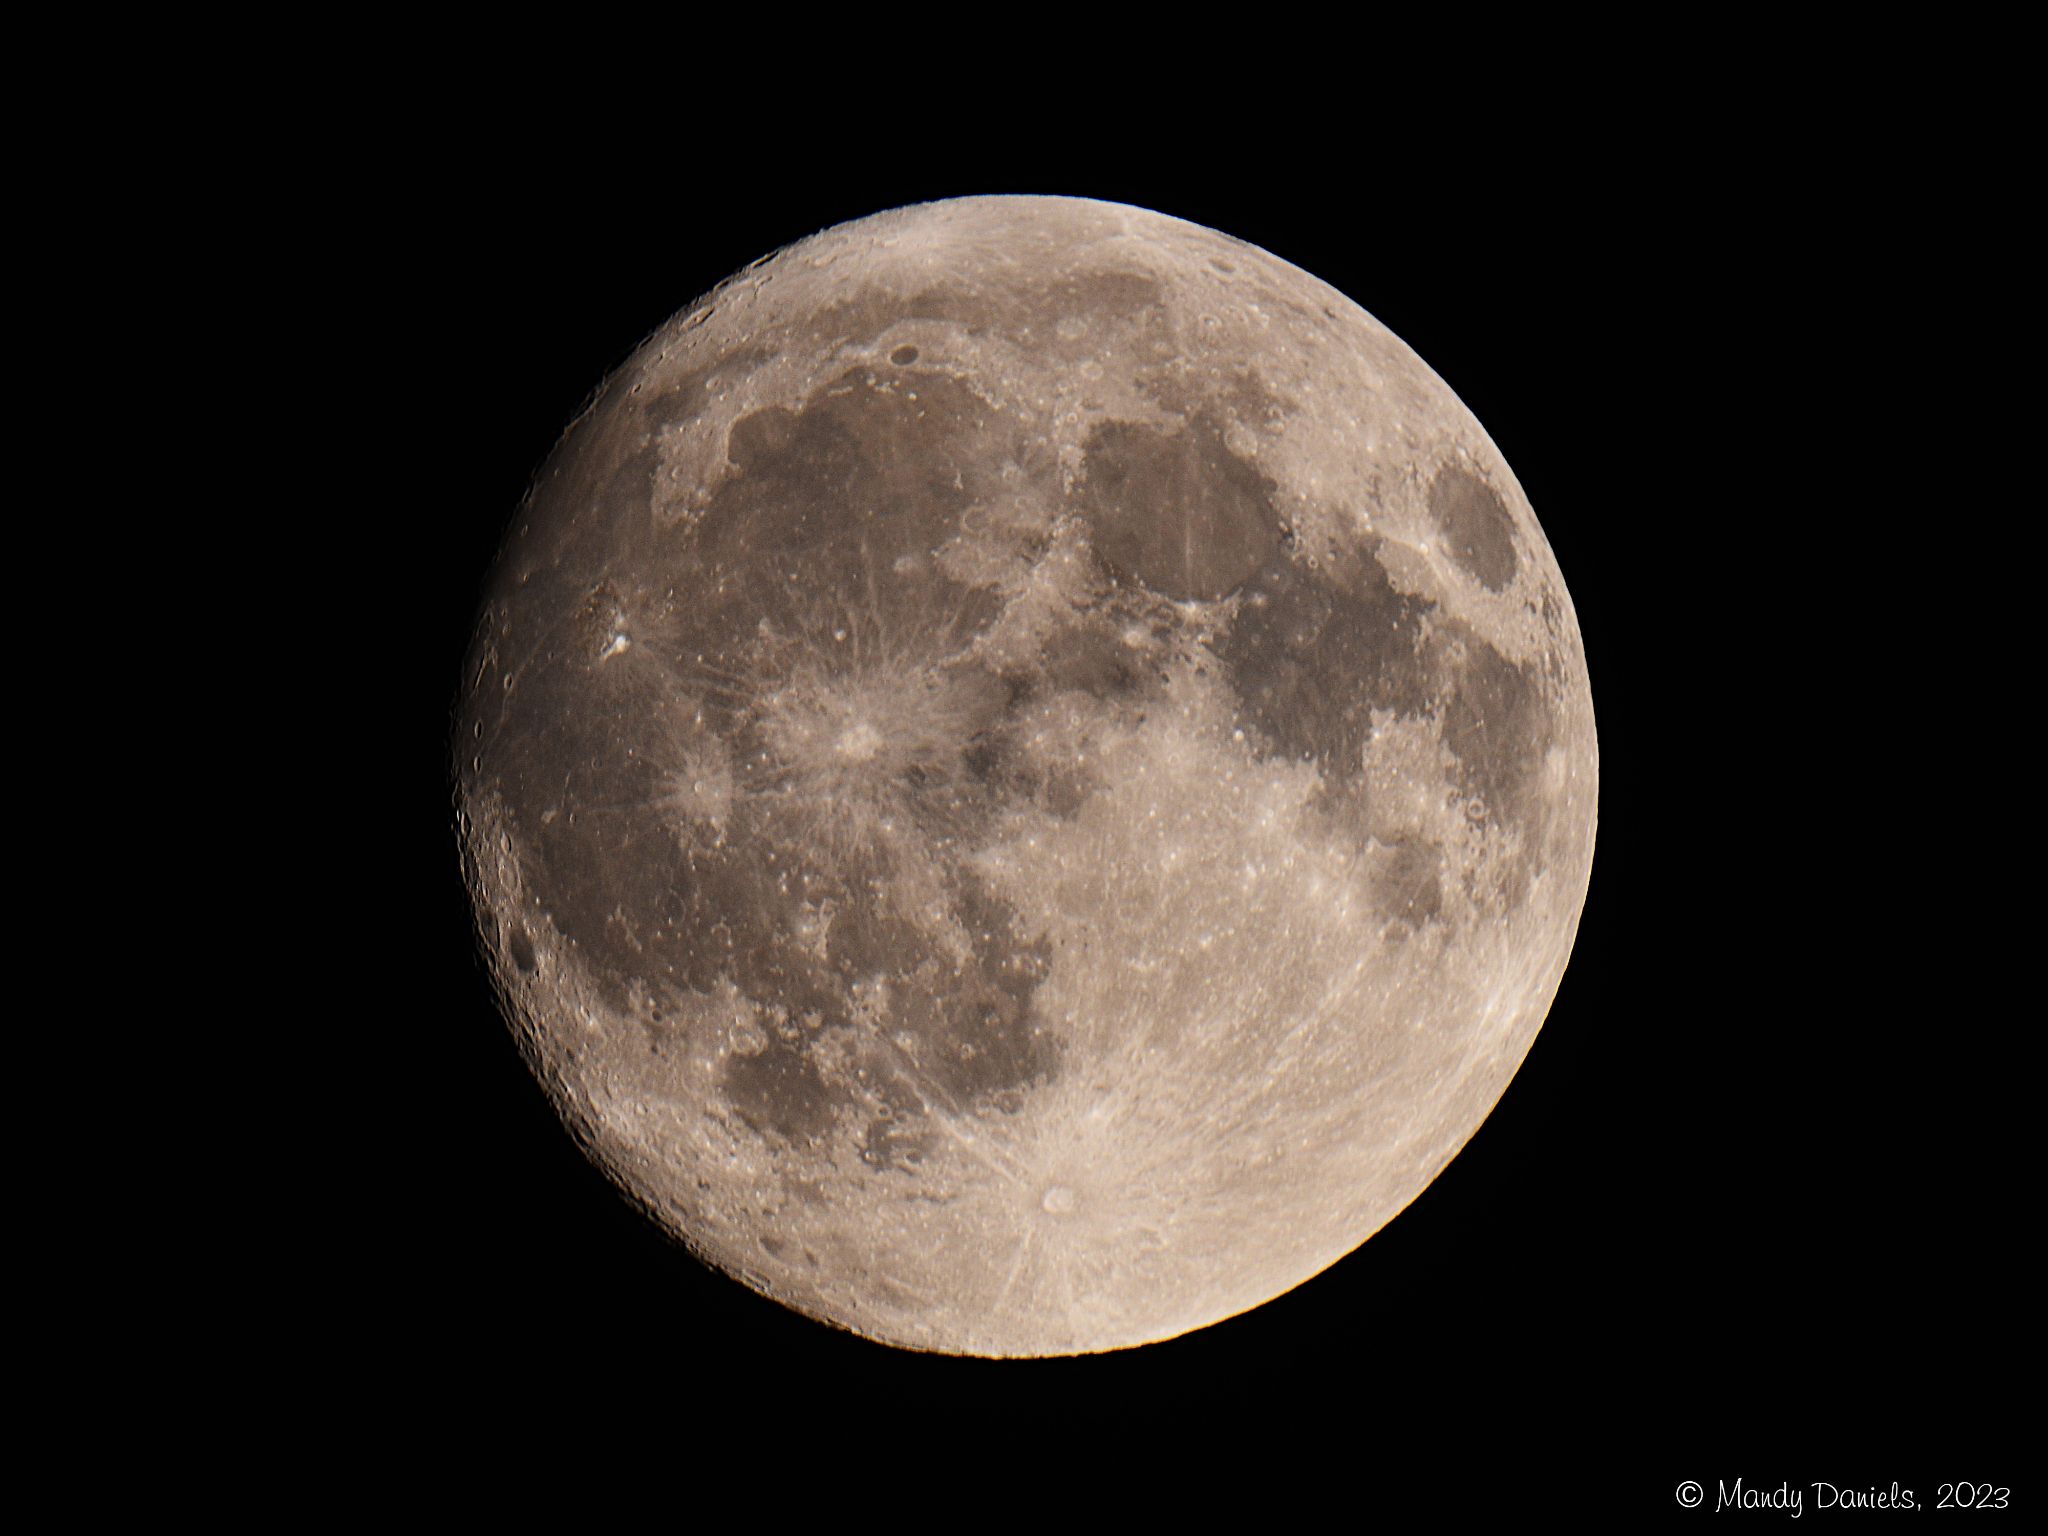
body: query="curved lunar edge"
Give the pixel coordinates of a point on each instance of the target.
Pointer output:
(1028, 776)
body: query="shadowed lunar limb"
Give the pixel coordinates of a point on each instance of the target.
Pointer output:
(1029, 774)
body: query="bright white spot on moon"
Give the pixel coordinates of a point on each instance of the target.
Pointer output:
(860, 742)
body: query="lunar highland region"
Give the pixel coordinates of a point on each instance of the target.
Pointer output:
(1028, 775)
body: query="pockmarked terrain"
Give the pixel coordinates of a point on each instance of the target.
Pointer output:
(1028, 775)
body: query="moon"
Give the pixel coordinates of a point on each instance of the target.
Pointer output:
(1028, 776)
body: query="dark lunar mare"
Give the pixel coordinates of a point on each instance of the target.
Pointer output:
(1477, 527)
(827, 524)
(1315, 649)
(1322, 640)
(1177, 511)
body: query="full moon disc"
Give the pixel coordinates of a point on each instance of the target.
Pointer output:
(1028, 776)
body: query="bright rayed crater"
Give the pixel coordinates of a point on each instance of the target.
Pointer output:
(1028, 776)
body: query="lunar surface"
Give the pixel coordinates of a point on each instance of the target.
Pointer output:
(1028, 776)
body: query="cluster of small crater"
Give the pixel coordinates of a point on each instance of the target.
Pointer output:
(1058, 312)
